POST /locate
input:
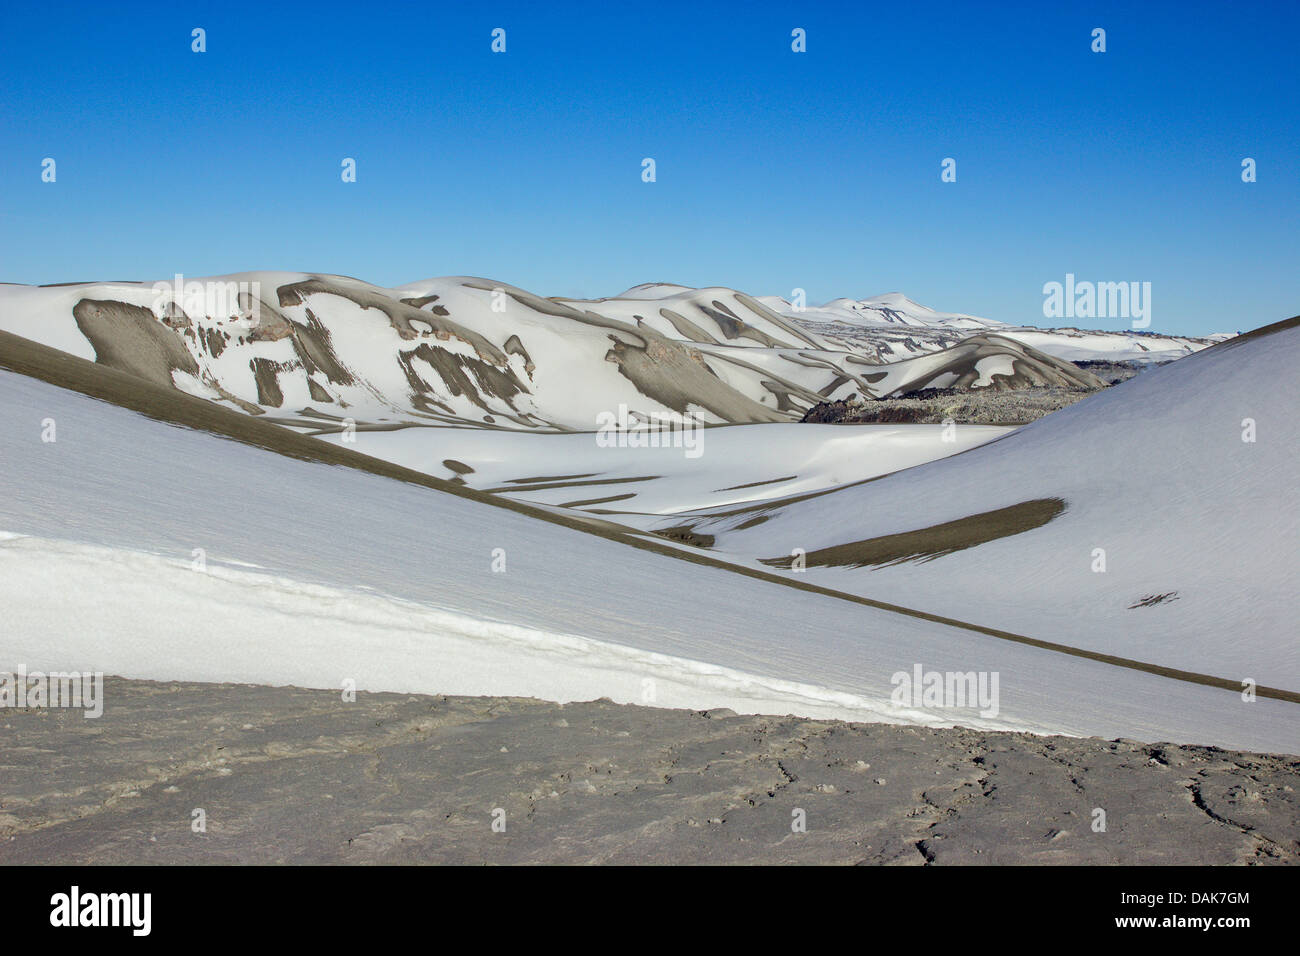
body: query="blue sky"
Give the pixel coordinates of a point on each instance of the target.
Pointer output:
(775, 170)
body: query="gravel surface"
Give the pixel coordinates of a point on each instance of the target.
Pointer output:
(286, 775)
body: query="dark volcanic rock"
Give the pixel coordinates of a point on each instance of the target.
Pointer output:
(933, 406)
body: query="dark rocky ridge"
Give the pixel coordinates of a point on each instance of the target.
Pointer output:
(968, 406)
(934, 406)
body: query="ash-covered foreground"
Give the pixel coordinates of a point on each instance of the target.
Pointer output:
(285, 775)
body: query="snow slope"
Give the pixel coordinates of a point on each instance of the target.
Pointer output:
(1154, 472)
(319, 573)
(727, 465)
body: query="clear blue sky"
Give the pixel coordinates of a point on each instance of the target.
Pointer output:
(775, 170)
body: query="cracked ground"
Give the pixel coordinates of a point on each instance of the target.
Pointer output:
(285, 775)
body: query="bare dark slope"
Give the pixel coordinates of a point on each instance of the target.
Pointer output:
(287, 775)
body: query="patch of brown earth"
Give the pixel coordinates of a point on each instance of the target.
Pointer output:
(926, 544)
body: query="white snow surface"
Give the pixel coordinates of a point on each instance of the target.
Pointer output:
(727, 465)
(1153, 472)
(319, 573)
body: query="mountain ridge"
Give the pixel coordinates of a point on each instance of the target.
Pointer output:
(469, 351)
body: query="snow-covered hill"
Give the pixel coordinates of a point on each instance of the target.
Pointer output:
(893, 327)
(472, 352)
(890, 309)
(137, 548)
(1154, 520)
(785, 567)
